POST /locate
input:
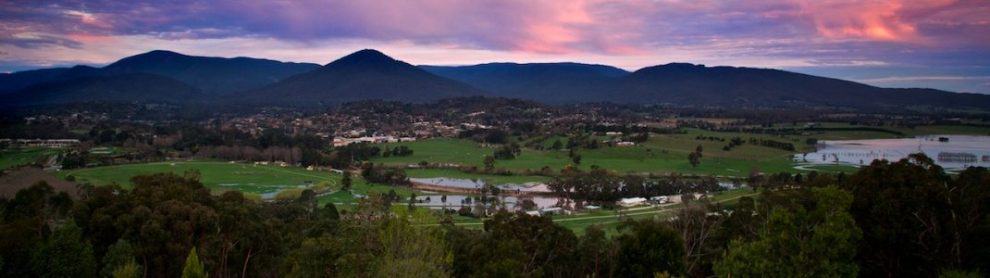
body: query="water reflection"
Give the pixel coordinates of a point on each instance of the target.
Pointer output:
(456, 200)
(477, 184)
(953, 152)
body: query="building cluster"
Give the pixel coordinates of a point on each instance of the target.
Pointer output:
(40, 143)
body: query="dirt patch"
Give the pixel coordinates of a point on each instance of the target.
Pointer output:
(16, 179)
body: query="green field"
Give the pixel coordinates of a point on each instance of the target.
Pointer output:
(16, 157)
(661, 154)
(222, 176)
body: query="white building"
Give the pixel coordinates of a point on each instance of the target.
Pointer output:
(630, 202)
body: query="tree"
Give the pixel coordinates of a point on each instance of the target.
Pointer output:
(489, 162)
(597, 253)
(576, 159)
(408, 251)
(193, 268)
(412, 201)
(698, 229)
(118, 255)
(330, 211)
(345, 182)
(65, 254)
(648, 248)
(817, 239)
(694, 158)
(315, 257)
(917, 220)
(129, 270)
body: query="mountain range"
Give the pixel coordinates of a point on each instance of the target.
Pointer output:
(369, 74)
(363, 75)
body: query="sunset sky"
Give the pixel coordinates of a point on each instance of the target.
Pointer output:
(942, 44)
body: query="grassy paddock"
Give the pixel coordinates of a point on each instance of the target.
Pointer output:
(16, 157)
(248, 178)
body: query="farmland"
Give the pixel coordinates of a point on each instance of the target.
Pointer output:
(661, 154)
(222, 176)
(16, 157)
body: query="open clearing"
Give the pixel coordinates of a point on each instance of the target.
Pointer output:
(222, 176)
(661, 154)
(10, 158)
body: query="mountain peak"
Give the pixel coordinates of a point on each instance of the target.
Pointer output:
(148, 59)
(365, 56)
(157, 54)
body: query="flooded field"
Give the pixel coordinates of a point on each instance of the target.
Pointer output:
(952, 152)
(455, 201)
(531, 187)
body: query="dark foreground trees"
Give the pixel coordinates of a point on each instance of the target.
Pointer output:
(890, 219)
(812, 238)
(917, 220)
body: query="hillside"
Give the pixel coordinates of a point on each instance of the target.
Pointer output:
(546, 82)
(363, 75)
(117, 88)
(732, 86)
(212, 75)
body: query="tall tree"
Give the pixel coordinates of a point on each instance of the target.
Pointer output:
(917, 220)
(65, 254)
(799, 240)
(345, 182)
(648, 248)
(193, 268)
(117, 256)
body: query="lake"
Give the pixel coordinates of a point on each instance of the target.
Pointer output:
(534, 187)
(952, 152)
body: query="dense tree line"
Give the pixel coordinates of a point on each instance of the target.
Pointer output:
(383, 175)
(894, 219)
(772, 144)
(603, 187)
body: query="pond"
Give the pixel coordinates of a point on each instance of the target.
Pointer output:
(535, 187)
(952, 152)
(454, 201)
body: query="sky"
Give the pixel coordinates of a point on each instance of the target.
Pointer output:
(942, 44)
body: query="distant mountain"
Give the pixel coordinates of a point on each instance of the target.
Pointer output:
(11, 82)
(546, 82)
(369, 75)
(363, 75)
(732, 86)
(133, 87)
(212, 75)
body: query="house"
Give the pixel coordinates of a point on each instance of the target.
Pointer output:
(659, 199)
(625, 144)
(553, 210)
(630, 202)
(43, 143)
